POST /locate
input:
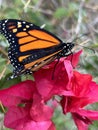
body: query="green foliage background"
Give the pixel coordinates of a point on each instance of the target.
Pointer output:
(65, 18)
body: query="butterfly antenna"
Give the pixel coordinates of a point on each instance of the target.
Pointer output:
(84, 34)
(85, 46)
(83, 42)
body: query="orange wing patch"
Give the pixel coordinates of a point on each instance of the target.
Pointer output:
(21, 34)
(43, 35)
(26, 40)
(38, 44)
(29, 65)
(12, 27)
(36, 39)
(22, 57)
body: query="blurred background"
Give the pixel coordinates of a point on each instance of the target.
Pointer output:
(68, 20)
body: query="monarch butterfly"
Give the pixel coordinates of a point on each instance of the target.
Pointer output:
(31, 47)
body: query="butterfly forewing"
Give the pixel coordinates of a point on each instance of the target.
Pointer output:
(30, 45)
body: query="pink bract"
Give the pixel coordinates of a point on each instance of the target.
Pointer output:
(27, 102)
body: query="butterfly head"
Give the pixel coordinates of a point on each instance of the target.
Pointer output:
(69, 45)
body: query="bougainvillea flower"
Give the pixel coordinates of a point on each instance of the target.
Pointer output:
(16, 94)
(19, 118)
(27, 102)
(63, 73)
(85, 92)
(26, 108)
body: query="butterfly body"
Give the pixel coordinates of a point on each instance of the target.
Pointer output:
(31, 47)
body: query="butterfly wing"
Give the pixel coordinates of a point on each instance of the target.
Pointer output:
(29, 44)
